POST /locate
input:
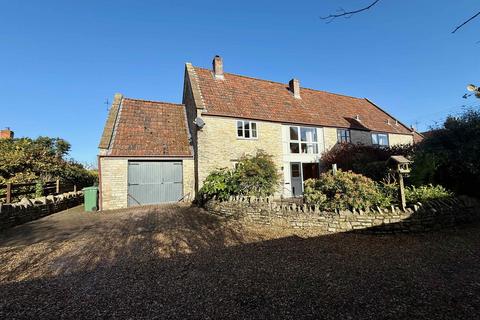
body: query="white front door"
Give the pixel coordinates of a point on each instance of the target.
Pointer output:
(296, 173)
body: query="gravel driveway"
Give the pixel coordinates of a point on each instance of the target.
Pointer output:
(177, 262)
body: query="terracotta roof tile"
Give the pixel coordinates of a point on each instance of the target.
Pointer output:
(150, 128)
(245, 97)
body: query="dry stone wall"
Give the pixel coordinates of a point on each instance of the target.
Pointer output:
(417, 218)
(31, 209)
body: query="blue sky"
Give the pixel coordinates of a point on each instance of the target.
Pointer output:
(60, 60)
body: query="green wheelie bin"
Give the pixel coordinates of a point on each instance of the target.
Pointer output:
(90, 198)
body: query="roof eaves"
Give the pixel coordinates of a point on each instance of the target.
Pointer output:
(115, 127)
(195, 86)
(106, 138)
(192, 152)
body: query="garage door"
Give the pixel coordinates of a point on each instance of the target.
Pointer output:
(151, 182)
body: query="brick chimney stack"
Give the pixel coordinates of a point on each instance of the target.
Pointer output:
(6, 133)
(218, 67)
(294, 86)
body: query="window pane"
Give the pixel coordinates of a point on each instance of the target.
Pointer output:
(374, 138)
(294, 148)
(314, 135)
(304, 148)
(303, 134)
(308, 134)
(254, 129)
(239, 129)
(293, 133)
(295, 170)
(383, 139)
(314, 147)
(343, 135)
(246, 129)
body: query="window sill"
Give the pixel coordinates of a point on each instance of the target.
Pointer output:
(247, 139)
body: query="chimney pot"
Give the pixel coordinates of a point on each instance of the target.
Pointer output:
(217, 67)
(294, 86)
(6, 133)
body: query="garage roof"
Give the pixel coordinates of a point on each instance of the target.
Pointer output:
(146, 128)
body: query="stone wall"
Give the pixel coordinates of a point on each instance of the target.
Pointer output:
(188, 179)
(114, 180)
(330, 137)
(219, 147)
(417, 218)
(31, 209)
(395, 139)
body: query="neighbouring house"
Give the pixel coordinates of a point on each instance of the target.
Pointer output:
(6, 133)
(153, 152)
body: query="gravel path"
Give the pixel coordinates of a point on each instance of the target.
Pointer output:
(177, 262)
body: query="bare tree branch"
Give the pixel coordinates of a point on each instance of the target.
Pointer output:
(348, 14)
(466, 21)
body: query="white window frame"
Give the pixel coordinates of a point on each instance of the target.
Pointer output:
(314, 144)
(377, 144)
(250, 130)
(340, 136)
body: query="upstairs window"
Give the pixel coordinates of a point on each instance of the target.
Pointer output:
(303, 140)
(343, 136)
(380, 139)
(246, 129)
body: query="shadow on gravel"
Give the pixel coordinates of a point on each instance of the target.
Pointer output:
(187, 264)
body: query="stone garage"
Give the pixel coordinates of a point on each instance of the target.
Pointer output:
(145, 154)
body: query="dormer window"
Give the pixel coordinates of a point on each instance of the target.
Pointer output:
(246, 129)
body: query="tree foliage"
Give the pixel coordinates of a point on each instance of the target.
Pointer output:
(257, 175)
(367, 160)
(27, 160)
(450, 155)
(253, 176)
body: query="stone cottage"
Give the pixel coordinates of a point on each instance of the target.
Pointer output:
(152, 152)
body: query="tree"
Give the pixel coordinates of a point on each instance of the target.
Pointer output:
(450, 156)
(348, 14)
(41, 159)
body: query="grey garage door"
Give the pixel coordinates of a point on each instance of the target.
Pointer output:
(151, 182)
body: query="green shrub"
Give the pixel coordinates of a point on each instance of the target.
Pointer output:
(344, 190)
(253, 176)
(257, 175)
(221, 183)
(425, 193)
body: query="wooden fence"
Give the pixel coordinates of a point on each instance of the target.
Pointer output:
(13, 190)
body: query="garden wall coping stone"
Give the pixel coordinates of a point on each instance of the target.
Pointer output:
(25, 210)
